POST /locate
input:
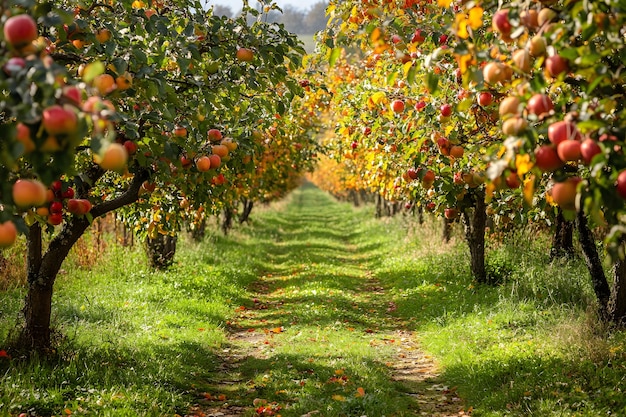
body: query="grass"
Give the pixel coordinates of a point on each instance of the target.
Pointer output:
(311, 284)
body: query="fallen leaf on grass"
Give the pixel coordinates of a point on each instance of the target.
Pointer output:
(360, 392)
(338, 397)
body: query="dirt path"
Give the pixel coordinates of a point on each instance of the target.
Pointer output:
(261, 332)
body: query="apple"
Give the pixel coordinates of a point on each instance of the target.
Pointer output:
(78, 206)
(547, 159)
(124, 81)
(23, 136)
(20, 30)
(367, 130)
(509, 106)
(446, 110)
(512, 180)
(396, 39)
(545, 15)
(216, 161)
(588, 149)
(620, 184)
(58, 120)
(419, 106)
(203, 164)
(450, 213)
(29, 193)
(8, 234)
(540, 105)
(412, 173)
(55, 219)
(563, 130)
(485, 98)
(73, 94)
(564, 193)
(220, 150)
(456, 151)
(131, 147)
(529, 18)
(494, 72)
(417, 37)
(428, 178)
(354, 144)
(104, 83)
(180, 131)
(537, 46)
(443, 39)
(569, 150)
(245, 54)
(556, 65)
(500, 23)
(103, 35)
(114, 158)
(397, 106)
(214, 135)
(514, 125)
(69, 193)
(444, 145)
(56, 207)
(522, 61)
(232, 145)
(185, 162)
(14, 65)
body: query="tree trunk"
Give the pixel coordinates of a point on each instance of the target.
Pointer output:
(199, 230)
(563, 240)
(379, 205)
(42, 268)
(446, 230)
(617, 301)
(247, 209)
(227, 220)
(594, 265)
(161, 250)
(474, 225)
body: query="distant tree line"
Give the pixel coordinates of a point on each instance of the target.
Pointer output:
(302, 22)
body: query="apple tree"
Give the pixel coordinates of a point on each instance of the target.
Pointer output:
(103, 102)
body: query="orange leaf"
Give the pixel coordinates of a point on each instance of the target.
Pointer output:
(360, 392)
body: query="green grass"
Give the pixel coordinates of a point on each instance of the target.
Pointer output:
(302, 283)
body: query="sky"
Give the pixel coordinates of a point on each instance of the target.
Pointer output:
(235, 5)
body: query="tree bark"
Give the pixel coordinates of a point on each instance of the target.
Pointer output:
(227, 220)
(474, 225)
(563, 240)
(247, 209)
(594, 265)
(42, 268)
(446, 230)
(161, 251)
(617, 300)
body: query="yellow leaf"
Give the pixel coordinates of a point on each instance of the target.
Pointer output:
(378, 97)
(376, 35)
(338, 371)
(338, 397)
(475, 19)
(464, 61)
(460, 23)
(444, 3)
(407, 68)
(523, 164)
(529, 189)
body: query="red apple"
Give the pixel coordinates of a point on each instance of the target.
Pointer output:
(540, 105)
(500, 23)
(216, 161)
(450, 213)
(55, 218)
(419, 106)
(563, 130)
(512, 180)
(397, 106)
(547, 159)
(131, 147)
(56, 207)
(485, 98)
(14, 65)
(417, 37)
(446, 110)
(20, 30)
(569, 150)
(354, 145)
(412, 173)
(69, 193)
(214, 135)
(556, 65)
(588, 149)
(58, 120)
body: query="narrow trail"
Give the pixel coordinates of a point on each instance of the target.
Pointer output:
(319, 336)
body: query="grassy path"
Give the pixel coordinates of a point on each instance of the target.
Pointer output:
(319, 335)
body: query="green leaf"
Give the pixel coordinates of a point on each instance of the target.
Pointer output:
(334, 56)
(92, 70)
(432, 82)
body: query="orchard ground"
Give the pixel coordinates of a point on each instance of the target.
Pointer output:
(318, 308)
